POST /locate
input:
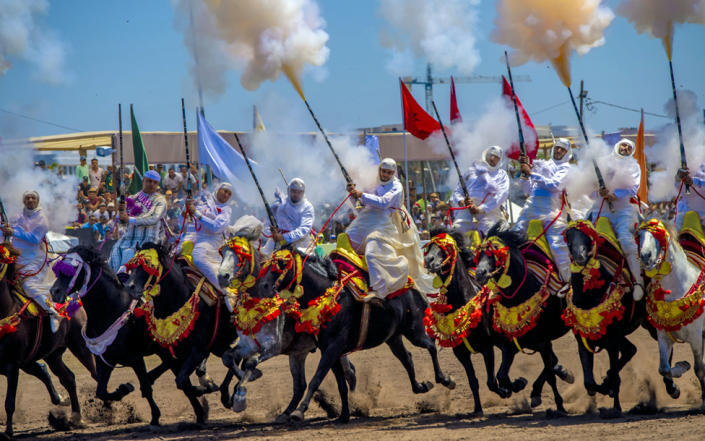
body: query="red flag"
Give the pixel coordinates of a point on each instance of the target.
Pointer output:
(416, 120)
(640, 156)
(531, 138)
(454, 112)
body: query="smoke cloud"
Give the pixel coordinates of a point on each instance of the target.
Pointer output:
(440, 31)
(265, 38)
(657, 17)
(57, 194)
(666, 152)
(549, 30)
(22, 36)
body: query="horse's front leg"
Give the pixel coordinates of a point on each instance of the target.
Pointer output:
(297, 366)
(13, 375)
(40, 371)
(696, 345)
(665, 348)
(587, 362)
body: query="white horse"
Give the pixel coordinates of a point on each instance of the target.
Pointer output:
(663, 258)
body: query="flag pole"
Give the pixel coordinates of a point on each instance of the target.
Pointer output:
(188, 156)
(406, 164)
(121, 190)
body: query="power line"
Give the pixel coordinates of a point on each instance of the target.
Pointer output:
(19, 115)
(591, 104)
(551, 107)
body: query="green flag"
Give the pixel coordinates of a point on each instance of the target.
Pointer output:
(141, 163)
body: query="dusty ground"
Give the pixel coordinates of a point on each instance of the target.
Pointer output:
(385, 407)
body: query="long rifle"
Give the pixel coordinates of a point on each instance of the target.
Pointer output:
(684, 162)
(121, 190)
(188, 156)
(522, 145)
(600, 179)
(330, 146)
(452, 154)
(270, 213)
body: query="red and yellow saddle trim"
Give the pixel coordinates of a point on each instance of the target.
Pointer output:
(515, 321)
(592, 323)
(451, 328)
(171, 330)
(250, 313)
(673, 315)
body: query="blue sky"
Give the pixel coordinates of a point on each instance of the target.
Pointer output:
(128, 51)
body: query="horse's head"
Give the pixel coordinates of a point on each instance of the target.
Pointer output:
(442, 251)
(652, 237)
(8, 257)
(146, 269)
(73, 273)
(239, 263)
(582, 239)
(493, 259)
(284, 271)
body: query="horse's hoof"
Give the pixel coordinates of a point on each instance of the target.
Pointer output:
(610, 414)
(255, 375)
(5, 436)
(282, 419)
(477, 413)
(64, 401)
(125, 389)
(564, 374)
(449, 383)
(519, 384)
(239, 404)
(679, 369)
(342, 419)
(208, 383)
(75, 420)
(535, 401)
(297, 416)
(154, 426)
(673, 390)
(422, 388)
(503, 393)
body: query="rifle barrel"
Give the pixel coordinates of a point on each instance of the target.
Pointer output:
(684, 162)
(452, 154)
(330, 146)
(188, 156)
(270, 213)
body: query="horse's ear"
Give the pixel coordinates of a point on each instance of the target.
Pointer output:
(570, 219)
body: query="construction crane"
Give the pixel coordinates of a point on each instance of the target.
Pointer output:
(429, 81)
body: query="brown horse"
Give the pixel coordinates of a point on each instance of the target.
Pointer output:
(25, 339)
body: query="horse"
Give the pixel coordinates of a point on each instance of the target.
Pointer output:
(275, 332)
(112, 331)
(460, 317)
(186, 327)
(674, 298)
(530, 316)
(601, 308)
(344, 324)
(25, 339)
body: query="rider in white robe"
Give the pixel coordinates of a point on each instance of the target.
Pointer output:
(622, 176)
(488, 188)
(387, 239)
(544, 187)
(295, 216)
(145, 216)
(28, 231)
(212, 215)
(691, 201)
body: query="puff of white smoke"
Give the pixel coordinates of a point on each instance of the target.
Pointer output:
(440, 31)
(268, 37)
(666, 152)
(57, 194)
(308, 158)
(582, 181)
(496, 126)
(657, 17)
(22, 36)
(548, 30)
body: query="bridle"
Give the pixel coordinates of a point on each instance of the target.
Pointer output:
(6, 259)
(283, 262)
(148, 260)
(449, 246)
(240, 246)
(72, 265)
(659, 232)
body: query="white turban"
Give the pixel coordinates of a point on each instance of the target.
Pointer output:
(30, 192)
(297, 184)
(496, 151)
(388, 164)
(623, 141)
(225, 185)
(563, 143)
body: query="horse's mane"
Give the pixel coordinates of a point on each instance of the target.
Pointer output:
(511, 238)
(323, 265)
(93, 258)
(465, 253)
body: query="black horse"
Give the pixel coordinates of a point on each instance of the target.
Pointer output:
(401, 316)
(448, 257)
(28, 339)
(275, 337)
(110, 307)
(203, 328)
(501, 258)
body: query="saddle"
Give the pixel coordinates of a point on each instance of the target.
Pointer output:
(610, 254)
(349, 262)
(692, 239)
(33, 310)
(539, 259)
(209, 292)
